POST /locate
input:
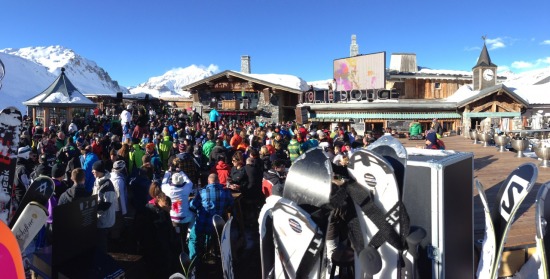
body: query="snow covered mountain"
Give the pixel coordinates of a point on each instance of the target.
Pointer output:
(171, 82)
(31, 70)
(86, 75)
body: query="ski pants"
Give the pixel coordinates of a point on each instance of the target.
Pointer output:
(197, 243)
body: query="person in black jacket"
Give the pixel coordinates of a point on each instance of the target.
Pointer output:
(77, 191)
(253, 197)
(217, 151)
(238, 178)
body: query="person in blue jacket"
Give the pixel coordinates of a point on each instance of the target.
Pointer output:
(214, 116)
(87, 160)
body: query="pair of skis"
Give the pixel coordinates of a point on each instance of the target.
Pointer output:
(389, 243)
(498, 222)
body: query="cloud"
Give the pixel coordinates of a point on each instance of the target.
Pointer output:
(545, 42)
(541, 62)
(471, 48)
(495, 43)
(503, 69)
(522, 65)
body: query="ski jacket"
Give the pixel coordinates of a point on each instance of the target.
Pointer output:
(222, 170)
(179, 195)
(235, 141)
(209, 201)
(272, 183)
(217, 151)
(415, 129)
(74, 193)
(214, 115)
(294, 149)
(238, 176)
(253, 191)
(87, 164)
(164, 151)
(135, 157)
(107, 202)
(22, 179)
(189, 166)
(119, 182)
(207, 148)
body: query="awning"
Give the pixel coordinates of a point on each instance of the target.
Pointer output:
(326, 117)
(492, 114)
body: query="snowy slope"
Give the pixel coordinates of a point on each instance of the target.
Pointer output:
(85, 74)
(24, 79)
(171, 82)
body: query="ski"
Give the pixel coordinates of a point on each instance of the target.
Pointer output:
(542, 213)
(10, 129)
(395, 153)
(30, 222)
(487, 257)
(226, 251)
(382, 214)
(511, 194)
(267, 248)
(40, 191)
(11, 262)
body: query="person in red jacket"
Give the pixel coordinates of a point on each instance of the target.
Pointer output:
(222, 169)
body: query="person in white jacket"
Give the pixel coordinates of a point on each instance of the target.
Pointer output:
(178, 187)
(118, 178)
(107, 203)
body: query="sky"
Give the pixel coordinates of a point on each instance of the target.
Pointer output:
(136, 39)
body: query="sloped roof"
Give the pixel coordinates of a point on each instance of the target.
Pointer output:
(60, 93)
(273, 81)
(484, 58)
(490, 90)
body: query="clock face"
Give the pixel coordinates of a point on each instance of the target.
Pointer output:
(488, 74)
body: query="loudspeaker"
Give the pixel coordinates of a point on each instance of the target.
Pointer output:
(119, 97)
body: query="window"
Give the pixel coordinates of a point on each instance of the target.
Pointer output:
(438, 85)
(40, 115)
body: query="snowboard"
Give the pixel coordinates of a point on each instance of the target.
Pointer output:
(312, 168)
(10, 129)
(487, 257)
(267, 248)
(376, 174)
(30, 222)
(299, 242)
(226, 250)
(511, 194)
(11, 262)
(542, 213)
(40, 191)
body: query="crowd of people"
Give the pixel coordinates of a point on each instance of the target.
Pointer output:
(159, 175)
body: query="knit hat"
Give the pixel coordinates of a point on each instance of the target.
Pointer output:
(177, 178)
(98, 166)
(431, 137)
(24, 152)
(118, 165)
(58, 170)
(150, 146)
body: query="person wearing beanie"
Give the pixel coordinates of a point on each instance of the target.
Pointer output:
(177, 186)
(135, 156)
(87, 160)
(107, 204)
(118, 178)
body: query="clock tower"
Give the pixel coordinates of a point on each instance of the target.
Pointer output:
(484, 72)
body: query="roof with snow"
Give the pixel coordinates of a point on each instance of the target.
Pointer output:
(61, 93)
(287, 83)
(491, 90)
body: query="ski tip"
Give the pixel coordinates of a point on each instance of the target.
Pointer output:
(11, 262)
(371, 260)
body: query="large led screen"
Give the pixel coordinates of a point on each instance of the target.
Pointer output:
(360, 72)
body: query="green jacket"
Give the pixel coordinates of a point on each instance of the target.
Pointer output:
(415, 129)
(164, 151)
(207, 148)
(135, 157)
(294, 149)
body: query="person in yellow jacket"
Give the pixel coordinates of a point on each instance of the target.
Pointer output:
(135, 156)
(164, 150)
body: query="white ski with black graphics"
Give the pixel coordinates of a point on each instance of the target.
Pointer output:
(227, 251)
(267, 246)
(40, 191)
(487, 257)
(29, 223)
(382, 219)
(511, 194)
(542, 214)
(10, 129)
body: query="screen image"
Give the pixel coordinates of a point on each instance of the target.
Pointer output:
(360, 72)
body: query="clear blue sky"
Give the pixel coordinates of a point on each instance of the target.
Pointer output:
(134, 40)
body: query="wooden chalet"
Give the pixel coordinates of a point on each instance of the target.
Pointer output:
(243, 96)
(459, 100)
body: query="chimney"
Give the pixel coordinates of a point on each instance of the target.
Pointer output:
(245, 64)
(354, 47)
(403, 62)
